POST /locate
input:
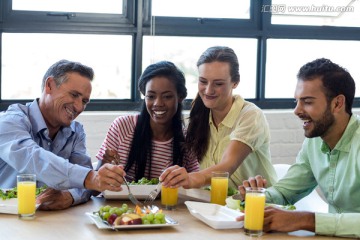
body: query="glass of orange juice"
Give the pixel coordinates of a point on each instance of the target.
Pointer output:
(219, 187)
(169, 197)
(26, 189)
(254, 211)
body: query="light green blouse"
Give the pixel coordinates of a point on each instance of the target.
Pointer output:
(246, 123)
(337, 173)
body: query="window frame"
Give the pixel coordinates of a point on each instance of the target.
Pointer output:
(136, 21)
(84, 23)
(65, 21)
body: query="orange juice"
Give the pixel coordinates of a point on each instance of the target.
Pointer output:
(219, 188)
(169, 197)
(26, 197)
(254, 212)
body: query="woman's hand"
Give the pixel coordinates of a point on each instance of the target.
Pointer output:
(175, 177)
(111, 156)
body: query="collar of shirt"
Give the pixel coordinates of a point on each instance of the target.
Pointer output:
(232, 115)
(343, 144)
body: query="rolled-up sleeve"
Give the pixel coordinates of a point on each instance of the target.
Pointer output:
(338, 224)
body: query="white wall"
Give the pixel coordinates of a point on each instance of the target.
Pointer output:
(285, 129)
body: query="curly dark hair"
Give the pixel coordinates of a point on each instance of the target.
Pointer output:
(335, 79)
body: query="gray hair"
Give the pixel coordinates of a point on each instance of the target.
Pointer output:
(60, 69)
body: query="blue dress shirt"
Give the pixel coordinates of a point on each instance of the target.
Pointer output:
(25, 147)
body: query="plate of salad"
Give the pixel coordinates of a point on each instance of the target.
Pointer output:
(9, 201)
(239, 205)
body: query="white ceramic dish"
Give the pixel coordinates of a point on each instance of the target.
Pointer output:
(10, 206)
(139, 191)
(101, 225)
(214, 215)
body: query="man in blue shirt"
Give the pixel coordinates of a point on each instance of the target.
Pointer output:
(42, 138)
(329, 157)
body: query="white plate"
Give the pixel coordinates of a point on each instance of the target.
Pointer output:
(101, 225)
(214, 215)
(139, 191)
(195, 194)
(10, 206)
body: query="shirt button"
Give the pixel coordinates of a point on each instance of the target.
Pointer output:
(331, 189)
(49, 143)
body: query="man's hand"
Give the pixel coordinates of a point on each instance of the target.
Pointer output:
(52, 199)
(257, 181)
(276, 219)
(280, 220)
(108, 177)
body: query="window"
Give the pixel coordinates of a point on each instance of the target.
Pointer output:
(318, 13)
(68, 15)
(202, 8)
(27, 56)
(286, 56)
(119, 38)
(84, 6)
(35, 34)
(185, 51)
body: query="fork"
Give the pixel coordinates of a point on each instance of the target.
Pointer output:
(153, 194)
(132, 197)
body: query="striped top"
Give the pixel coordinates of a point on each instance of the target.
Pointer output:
(119, 138)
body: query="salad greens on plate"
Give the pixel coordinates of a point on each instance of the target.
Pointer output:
(231, 190)
(145, 181)
(240, 205)
(12, 193)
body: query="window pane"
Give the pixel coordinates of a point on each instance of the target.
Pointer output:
(185, 51)
(286, 56)
(26, 57)
(202, 8)
(89, 6)
(317, 13)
